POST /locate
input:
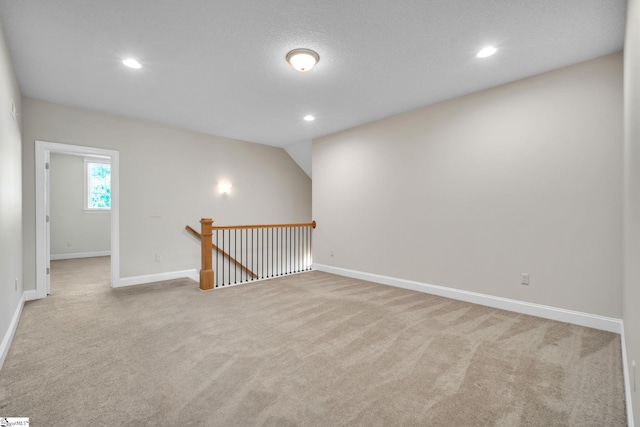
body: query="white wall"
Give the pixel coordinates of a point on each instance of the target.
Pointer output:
(469, 193)
(171, 173)
(73, 230)
(10, 196)
(632, 193)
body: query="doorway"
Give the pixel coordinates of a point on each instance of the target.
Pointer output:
(43, 152)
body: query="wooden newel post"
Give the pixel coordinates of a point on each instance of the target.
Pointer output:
(206, 271)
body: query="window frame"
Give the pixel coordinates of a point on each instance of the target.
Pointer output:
(87, 161)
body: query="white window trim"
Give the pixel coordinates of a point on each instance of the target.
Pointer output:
(87, 160)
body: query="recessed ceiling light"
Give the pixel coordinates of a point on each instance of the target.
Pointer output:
(309, 118)
(487, 51)
(132, 63)
(303, 59)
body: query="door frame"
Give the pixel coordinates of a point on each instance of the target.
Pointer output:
(47, 229)
(42, 239)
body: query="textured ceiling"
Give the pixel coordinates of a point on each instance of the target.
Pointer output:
(218, 66)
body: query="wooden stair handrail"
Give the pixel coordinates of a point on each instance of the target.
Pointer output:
(242, 227)
(245, 269)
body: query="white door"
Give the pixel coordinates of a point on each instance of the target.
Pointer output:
(47, 207)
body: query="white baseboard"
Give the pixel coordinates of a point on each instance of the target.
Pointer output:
(79, 255)
(627, 380)
(251, 282)
(30, 295)
(159, 277)
(595, 321)
(8, 336)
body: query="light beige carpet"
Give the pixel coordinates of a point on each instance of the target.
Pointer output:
(312, 349)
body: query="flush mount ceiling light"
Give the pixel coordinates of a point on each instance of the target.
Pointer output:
(487, 51)
(302, 59)
(309, 118)
(132, 63)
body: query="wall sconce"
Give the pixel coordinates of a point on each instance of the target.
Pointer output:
(224, 188)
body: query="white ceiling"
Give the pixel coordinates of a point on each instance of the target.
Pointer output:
(219, 66)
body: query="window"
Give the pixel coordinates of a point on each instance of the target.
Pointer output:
(97, 184)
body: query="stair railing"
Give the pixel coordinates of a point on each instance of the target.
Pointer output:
(246, 253)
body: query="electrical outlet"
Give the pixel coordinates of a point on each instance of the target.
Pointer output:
(525, 279)
(331, 252)
(68, 244)
(158, 258)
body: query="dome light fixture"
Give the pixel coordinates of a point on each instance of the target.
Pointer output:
(487, 51)
(302, 59)
(309, 118)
